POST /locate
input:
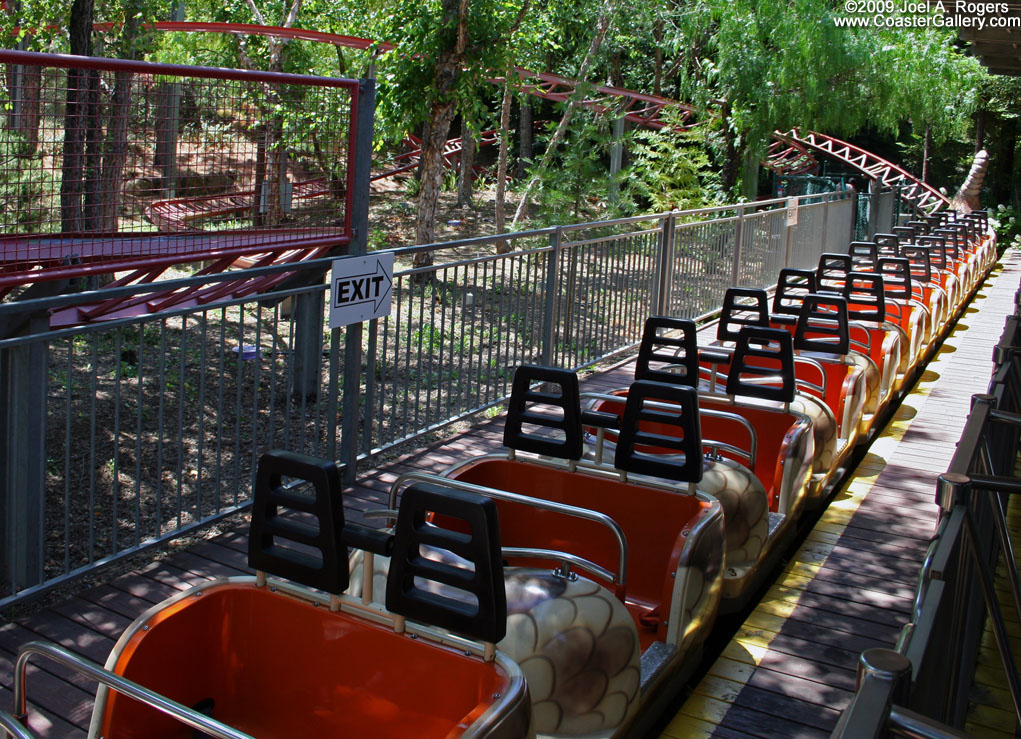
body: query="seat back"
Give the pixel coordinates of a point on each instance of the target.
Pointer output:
(896, 272)
(822, 325)
(763, 364)
(547, 419)
(669, 351)
(831, 273)
(791, 288)
(682, 436)
(295, 535)
(473, 602)
(742, 306)
(866, 299)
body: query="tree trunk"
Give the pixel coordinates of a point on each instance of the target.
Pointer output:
(526, 136)
(466, 171)
(926, 154)
(657, 78)
(731, 155)
(440, 116)
(25, 113)
(441, 113)
(75, 120)
(502, 247)
(115, 152)
(602, 25)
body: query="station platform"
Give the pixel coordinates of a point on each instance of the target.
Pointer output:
(790, 669)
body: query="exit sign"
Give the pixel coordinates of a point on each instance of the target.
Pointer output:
(361, 288)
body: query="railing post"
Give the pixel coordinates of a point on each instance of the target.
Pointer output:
(883, 680)
(788, 229)
(359, 241)
(549, 323)
(825, 235)
(309, 312)
(664, 280)
(23, 372)
(738, 244)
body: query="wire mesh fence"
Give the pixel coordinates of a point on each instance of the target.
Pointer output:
(109, 164)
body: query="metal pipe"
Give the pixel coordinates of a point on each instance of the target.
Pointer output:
(547, 505)
(122, 685)
(10, 726)
(907, 723)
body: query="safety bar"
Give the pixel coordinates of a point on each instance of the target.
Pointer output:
(10, 726)
(122, 685)
(618, 578)
(753, 443)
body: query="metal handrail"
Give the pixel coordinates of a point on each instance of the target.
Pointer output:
(618, 579)
(116, 682)
(10, 726)
(749, 454)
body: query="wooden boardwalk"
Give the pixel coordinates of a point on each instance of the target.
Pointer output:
(791, 668)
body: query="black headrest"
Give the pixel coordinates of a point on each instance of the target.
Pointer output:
(979, 217)
(791, 288)
(742, 306)
(763, 364)
(952, 239)
(937, 251)
(887, 245)
(863, 254)
(562, 406)
(825, 317)
(921, 266)
(659, 348)
(896, 272)
(479, 609)
(866, 300)
(921, 227)
(291, 547)
(832, 271)
(678, 431)
(904, 233)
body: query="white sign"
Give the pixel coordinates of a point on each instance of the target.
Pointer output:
(361, 288)
(792, 211)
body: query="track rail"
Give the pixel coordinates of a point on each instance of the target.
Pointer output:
(924, 197)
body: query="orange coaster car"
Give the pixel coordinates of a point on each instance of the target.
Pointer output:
(266, 658)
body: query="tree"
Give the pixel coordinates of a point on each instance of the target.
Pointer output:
(444, 53)
(780, 64)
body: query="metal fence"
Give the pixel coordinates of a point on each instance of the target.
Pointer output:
(98, 152)
(922, 688)
(123, 434)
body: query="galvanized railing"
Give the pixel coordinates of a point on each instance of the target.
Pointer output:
(124, 434)
(922, 688)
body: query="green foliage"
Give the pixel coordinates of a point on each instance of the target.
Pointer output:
(576, 184)
(27, 187)
(1007, 222)
(671, 170)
